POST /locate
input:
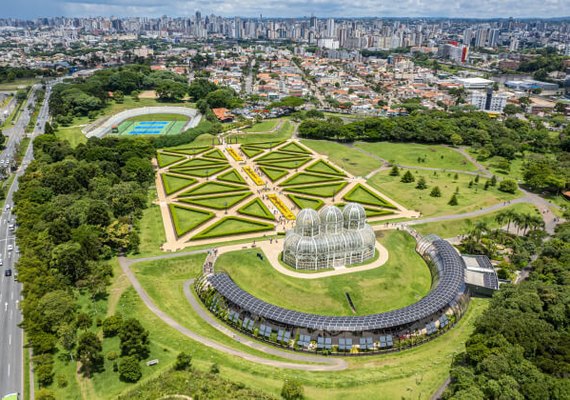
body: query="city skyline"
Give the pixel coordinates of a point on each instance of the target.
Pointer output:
(292, 9)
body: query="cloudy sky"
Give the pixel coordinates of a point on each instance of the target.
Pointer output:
(292, 8)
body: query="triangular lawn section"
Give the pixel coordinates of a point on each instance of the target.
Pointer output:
(164, 160)
(217, 202)
(295, 148)
(306, 178)
(274, 173)
(212, 188)
(229, 226)
(324, 168)
(278, 156)
(289, 164)
(251, 151)
(361, 194)
(174, 183)
(306, 202)
(256, 208)
(186, 218)
(201, 162)
(215, 154)
(190, 151)
(327, 190)
(265, 145)
(232, 176)
(373, 212)
(201, 172)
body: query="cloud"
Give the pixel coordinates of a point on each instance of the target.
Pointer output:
(294, 8)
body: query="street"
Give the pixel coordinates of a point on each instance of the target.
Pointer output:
(11, 336)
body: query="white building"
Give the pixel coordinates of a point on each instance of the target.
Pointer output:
(488, 101)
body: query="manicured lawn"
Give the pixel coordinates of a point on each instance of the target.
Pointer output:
(296, 163)
(469, 199)
(361, 194)
(403, 280)
(451, 228)
(231, 176)
(347, 158)
(305, 178)
(201, 172)
(275, 137)
(256, 208)
(273, 173)
(435, 156)
(228, 226)
(200, 162)
(72, 134)
(185, 218)
(295, 148)
(215, 154)
(261, 144)
(325, 168)
(151, 229)
(250, 151)
(188, 150)
(328, 190)
(306, 202)
(174, 183)
(263, 126)
(279, 156)
(217, 202)
(212, 188)
(417, 372)
(165, 160)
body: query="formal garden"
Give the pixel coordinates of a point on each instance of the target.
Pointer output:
(254, 189)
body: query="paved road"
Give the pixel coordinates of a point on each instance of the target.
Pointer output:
(318, 363)
(11, 338)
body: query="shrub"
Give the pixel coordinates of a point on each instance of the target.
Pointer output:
(45, 394)
(112, 355)
(292, 390)
(129, 369)
(395, 171)
(508, 186)
(421, 183)
(407, 178)
(112, 325)
(214, 369)
(435, 192)
(61, 381)
(183, 362)
(453, 201)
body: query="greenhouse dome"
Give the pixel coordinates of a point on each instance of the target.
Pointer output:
(329, 239)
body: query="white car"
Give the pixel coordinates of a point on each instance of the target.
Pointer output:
(10, 247)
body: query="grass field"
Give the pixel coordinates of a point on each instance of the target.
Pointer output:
(174, 183)
(280, 156)
(403, 280)
(347, 158)
(362, 194)
(201, 172)
(289, 164)
(186, 218)
(417, 372)
(256, 134)
(451, 228)
(470, 199)
(250, 151)
(435, 156)
(212, 188)
(306, 178)
(273, 173)
(263, 126)
(217, 202)
(151, 230)
(324, 167)
(228, 226)
(295, 148)
(17, 84)
(326, 190)
(165, 160)
(256, 208)
(232, 176)
(306, 202)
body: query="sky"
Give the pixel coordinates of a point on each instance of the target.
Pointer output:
(292, 8)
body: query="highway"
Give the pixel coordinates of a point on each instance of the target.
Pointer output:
(11, 337)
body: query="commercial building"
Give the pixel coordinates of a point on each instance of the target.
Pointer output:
(474, 83)
(488, 100)
(531, 84)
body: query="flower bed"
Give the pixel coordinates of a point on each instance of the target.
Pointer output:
(234, 154)
(283, 209)
(254, 177)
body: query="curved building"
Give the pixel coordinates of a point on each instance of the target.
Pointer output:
(330, 238)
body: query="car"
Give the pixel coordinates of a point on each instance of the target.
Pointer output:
(1, 262)
(10, 247)
(11, 227)
(8, 272)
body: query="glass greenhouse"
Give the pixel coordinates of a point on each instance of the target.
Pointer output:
(330, 238)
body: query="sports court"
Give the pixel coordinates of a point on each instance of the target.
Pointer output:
(149, 128)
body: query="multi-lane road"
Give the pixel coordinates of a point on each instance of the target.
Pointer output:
(11, 337)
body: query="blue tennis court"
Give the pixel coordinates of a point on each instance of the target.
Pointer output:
(150, 127)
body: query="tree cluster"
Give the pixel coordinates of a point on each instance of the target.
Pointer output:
(75, 208)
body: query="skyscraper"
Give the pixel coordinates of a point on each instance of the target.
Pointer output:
(330, 28)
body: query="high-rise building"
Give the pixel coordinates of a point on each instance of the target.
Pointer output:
(488, 100)
(481, 37)
(313, 22)
(493, 37)
(331, 33)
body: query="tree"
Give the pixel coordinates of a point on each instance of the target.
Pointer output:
(45, 394)
(292, 390)
(453, 201)
(170, 91)
(435, 192)
(135, 95)
(89, 353)
(134, 339)
(456, 139)
(493, 181)
(48, 129)
(315, 114)
(408, 177)
(214, 369)
(183, 362)
(112, 325)
(508, 186)
(512, 109)
(129, 369)
(118, 96)
(421, 183)
(395, 171)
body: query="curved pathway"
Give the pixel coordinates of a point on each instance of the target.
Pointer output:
(320, 363)
(101, 130)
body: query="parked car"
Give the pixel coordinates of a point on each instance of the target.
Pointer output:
(8, 272)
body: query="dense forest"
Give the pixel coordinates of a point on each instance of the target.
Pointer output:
(75, 209)
(521, 345)
(10, 74)
(509, 139)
